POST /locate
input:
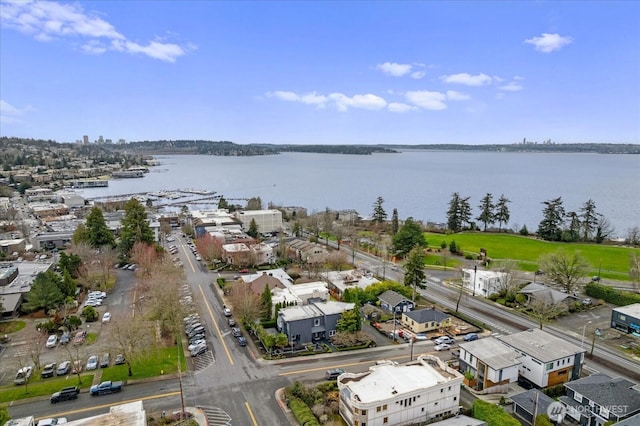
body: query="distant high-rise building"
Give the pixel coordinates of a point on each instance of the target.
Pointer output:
(85, 139)
(100, 140)
(78, 141)
(109, 141)
(121, 141)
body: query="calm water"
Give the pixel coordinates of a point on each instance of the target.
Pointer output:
(417, 183)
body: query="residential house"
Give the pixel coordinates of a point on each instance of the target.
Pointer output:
(626, 318)
(424, 390)
(339, 281)
(536, 292)
(423, 320)
(597, 399)
(529, 405)
(16, 245)
(392, 301)
(492, 364)
(310, 323)
(307, 252)
(546, 360)
(483, 283)
(236, 254)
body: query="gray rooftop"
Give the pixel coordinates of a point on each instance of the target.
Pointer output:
(492, 352)
(541, 345)
(631, 310)
(427, 315)
(532, 397)
(392, 297)
(605, 391)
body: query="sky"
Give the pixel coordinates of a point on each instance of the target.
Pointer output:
(334, 72)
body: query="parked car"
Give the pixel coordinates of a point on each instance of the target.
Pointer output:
(23, 375)
(105, 360)
(65, 338)
(587, 301)
(105, 388)
(65, 394)
(231, 322)
(235, 331)
(333, 373)
(443, 347)
(52, 341)
(106, 317)
(227, 312)
(119, 359)
(470, 337)
(421, 336)
(195, 344)
(444, 339)
(64, 368)
(195, 331)
(242, 341)
(199, 350)
(79, 338)
(53, 421)
(49, 370)
(92, 362)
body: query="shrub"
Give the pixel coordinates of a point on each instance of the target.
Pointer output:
(611, 295)
(555, 391)
(303, 413)
(90, 314)
(494, 415)
(521, 298)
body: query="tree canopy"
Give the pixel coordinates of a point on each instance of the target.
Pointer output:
(98, 234)
(414, 269)
(134, 228)
(565, 269)
(409, 235)
(46, 292)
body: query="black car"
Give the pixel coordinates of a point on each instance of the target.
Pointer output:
(199, 336)
(49, 370)
(242, 341)
(65, 394)
(120, 359)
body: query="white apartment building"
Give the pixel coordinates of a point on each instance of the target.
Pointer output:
(267, 220)
(389, 394)
(482, 283)
(546, 360)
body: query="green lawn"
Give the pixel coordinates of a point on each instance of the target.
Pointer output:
(39, 387)
(613, 261)
(159, 361)
(7, 327)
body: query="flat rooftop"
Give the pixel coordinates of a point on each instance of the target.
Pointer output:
(631, 310)
(541, 345)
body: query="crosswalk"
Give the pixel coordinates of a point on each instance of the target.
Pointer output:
(216, 416)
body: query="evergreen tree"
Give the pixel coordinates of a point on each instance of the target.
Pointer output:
(379, 215)
(550, 228)
(502, 211)
(573, 233)
(80, 235)
(98, 234)
(414, 269)
(267, 307)
(253, 229)
(408, 236)
(70, 263)
(459, 212)
(44, 293)
(395, 223)
(589, 219)
(487, 215)
(135, 228)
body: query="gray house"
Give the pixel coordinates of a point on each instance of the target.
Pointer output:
(626, 318)
(312, 322)
(597, 399)
(392, 301)
(530, 404)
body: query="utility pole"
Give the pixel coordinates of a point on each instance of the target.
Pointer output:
(475, 271)
(182, 413)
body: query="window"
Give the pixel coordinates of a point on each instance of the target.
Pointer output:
(385, 420)
(364, 413)
(384, 407)
(549, 366)
(441, 390)
(455, 398)
(332, 333)
(378, 409)
(577, 396)
(316, 322)
(604, 412)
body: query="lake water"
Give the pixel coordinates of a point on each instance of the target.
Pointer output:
(418, 183)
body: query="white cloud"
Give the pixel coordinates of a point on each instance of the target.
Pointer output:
(457, 96)
(400, 107)
(48, 21)
(549, 42)
(427, 99)
(467, 79)
(511, 87)
(11, 114)
(341, 101)
(394, 69)
(417, 75)
(310, 98)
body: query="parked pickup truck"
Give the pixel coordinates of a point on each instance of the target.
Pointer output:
(105, 388)
(65, 394)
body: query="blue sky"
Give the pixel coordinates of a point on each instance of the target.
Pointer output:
(322, 72)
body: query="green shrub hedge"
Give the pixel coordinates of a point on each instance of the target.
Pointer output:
(494, 415)
(611, 295)
(303, 413)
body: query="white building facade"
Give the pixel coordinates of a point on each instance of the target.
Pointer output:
(482, 283)
(267, 220)
(389, 394)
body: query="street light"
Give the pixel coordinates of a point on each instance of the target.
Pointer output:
(584, 328)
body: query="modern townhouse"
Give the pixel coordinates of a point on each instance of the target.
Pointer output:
(492, 364)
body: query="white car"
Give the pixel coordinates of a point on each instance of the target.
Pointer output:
(106, 317)
(52, 421)
(443, 347)
(92, 363)
(52, 341)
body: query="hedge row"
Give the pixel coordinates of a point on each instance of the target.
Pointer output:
(611, 295)
(303, 413)
(494, 415)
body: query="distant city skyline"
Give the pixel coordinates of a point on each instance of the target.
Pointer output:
(321, 72)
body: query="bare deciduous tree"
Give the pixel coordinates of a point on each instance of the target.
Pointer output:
(336, 259)
(162, 284)
(246, 304)
(132, 339)
(508, 281)
(566, 270)
(544, 311)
